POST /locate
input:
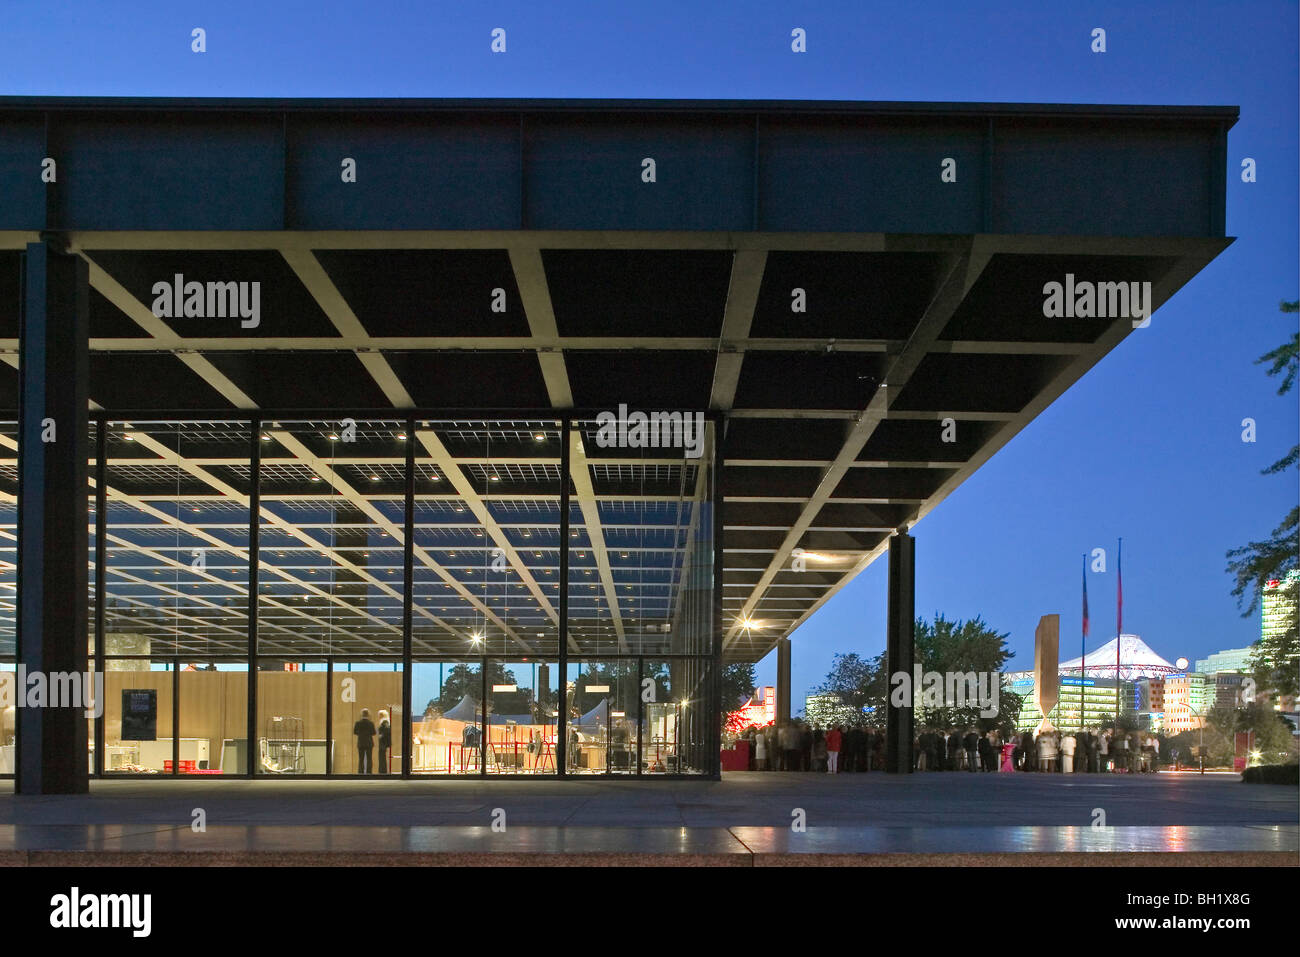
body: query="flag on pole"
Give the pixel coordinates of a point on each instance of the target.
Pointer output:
(1119, 592)
(1085, 596)
(1083, 640)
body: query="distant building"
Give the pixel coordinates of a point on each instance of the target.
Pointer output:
(827, 710)
(1231, 660)
(1082, 702)
(1281, 617)
(1151, 695)
(1185, 702)
(1227, 689)
(760, 709)
(1087, 685)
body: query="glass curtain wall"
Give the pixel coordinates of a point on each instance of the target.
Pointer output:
(641, 595)
(555, 593)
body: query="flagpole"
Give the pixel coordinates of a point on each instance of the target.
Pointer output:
(1119, 621)
(1083, 646)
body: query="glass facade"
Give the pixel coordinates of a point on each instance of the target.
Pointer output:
(399, 595)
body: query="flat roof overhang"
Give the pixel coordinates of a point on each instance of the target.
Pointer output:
(923, 296)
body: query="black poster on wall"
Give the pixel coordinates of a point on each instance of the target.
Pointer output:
(139, 714)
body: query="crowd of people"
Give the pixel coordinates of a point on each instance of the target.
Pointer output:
(798, 746)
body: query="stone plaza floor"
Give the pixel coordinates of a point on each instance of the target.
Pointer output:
(745, 819)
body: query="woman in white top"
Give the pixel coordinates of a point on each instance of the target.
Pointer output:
(760, 751)
(1067, 754)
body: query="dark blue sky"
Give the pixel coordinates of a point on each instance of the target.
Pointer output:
(1147, 446)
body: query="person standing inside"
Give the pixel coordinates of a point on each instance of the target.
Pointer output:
(834, 738)
(364, 730)
(385, 733)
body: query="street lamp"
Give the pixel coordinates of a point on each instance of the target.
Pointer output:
(1201, 721)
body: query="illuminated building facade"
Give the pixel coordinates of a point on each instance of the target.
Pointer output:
(1185, 699)
(760, 709)
(1231, 660)
(1083, 702)
(828, 710)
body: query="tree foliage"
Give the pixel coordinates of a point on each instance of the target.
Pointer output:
(943, 646)
(1255, 563)
(737, 682)
(737, 685)
(464, 679)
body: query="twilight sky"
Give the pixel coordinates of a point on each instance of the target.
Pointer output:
(1146, 446)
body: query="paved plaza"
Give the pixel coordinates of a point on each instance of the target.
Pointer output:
(744, 819)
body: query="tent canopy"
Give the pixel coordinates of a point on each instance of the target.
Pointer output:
(466, 709)
(1137, 660)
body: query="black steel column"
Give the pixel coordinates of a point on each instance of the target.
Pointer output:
(782, 717)
(254, 527)
(562, 683)
(101, 576)
(713, 739)
(53, 516)
(408, 596)
(899, 651)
